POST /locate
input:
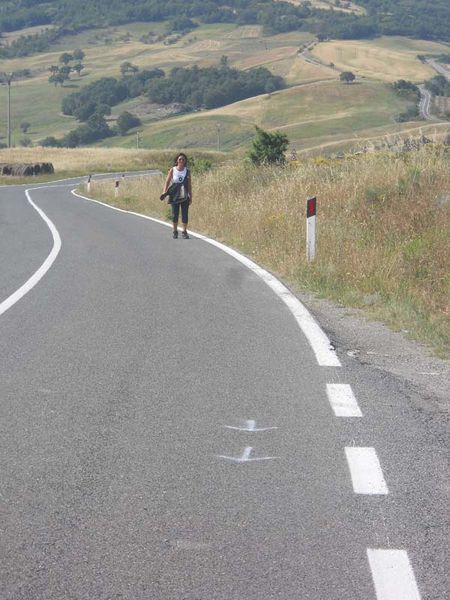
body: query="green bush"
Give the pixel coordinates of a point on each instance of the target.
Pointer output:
(269, 148)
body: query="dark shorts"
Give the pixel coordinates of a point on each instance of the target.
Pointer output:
(184, 211)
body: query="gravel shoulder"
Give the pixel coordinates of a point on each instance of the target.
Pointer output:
(372, 343)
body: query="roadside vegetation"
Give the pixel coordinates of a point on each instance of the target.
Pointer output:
(69, 162)
(383, 229)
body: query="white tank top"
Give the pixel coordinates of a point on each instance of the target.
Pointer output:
(178, 176)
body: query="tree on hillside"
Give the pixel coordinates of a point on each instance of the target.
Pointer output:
(127, 121)
(70, 140)
(406, 89)
(127, 68)
(347, 77)
(78, 68)
(438, 86)
(78, 54)
(49, 142)
(180, 24)
(85, 110)
(65, 72)
(269, 148)
(56, 78)
(65, 58)
(102, 110)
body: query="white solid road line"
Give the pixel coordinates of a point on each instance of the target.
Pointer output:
(325, 354)
(319, 342)
(365, 470)
(342, 400)
(392, 575)
(33, 280)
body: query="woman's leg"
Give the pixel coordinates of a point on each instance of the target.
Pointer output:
(185, 215)
(175, 215)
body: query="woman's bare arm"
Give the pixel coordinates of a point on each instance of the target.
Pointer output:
(168, 180)
(189, 186)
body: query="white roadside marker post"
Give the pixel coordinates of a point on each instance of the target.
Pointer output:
(311, 228)
(89, 183)
(116, 187)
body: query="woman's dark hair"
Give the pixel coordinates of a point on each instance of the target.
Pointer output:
(178, 156)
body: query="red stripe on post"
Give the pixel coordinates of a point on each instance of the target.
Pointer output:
(311, 207)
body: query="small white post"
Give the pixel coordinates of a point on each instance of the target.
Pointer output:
(89, 183)
(311, 228)
(116, 188)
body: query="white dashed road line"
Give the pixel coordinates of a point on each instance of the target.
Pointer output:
(392, 575)
(342, 400)
(365, 470)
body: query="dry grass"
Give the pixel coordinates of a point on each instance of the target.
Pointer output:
(386, 59)
(66, 159)
(353, 8)
(383, 229)
(82, 161)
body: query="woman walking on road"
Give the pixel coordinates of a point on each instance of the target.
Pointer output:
(179, 189)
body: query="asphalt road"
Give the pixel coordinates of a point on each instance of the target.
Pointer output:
(424, 104)
(439, 68)
(141, 377)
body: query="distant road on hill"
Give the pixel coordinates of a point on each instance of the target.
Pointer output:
(439, 68)
(425, 95)
(424, 104)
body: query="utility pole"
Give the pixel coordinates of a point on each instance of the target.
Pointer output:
(7, 78)
(218, 138)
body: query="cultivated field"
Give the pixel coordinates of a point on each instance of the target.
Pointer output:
(39, 103)
(347, 7)
(385, 58)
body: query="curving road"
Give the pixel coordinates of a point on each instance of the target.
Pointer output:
(424, 103)
(439, 68)
(174, 427)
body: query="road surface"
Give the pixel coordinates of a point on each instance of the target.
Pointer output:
(173, 426)
(424, 103)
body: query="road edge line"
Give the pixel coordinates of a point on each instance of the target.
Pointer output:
(42, 270)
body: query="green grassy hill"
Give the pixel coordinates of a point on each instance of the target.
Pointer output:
(310, 115)
(317, 110)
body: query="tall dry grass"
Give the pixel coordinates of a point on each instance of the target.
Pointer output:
(383, 229)
(80, 161)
